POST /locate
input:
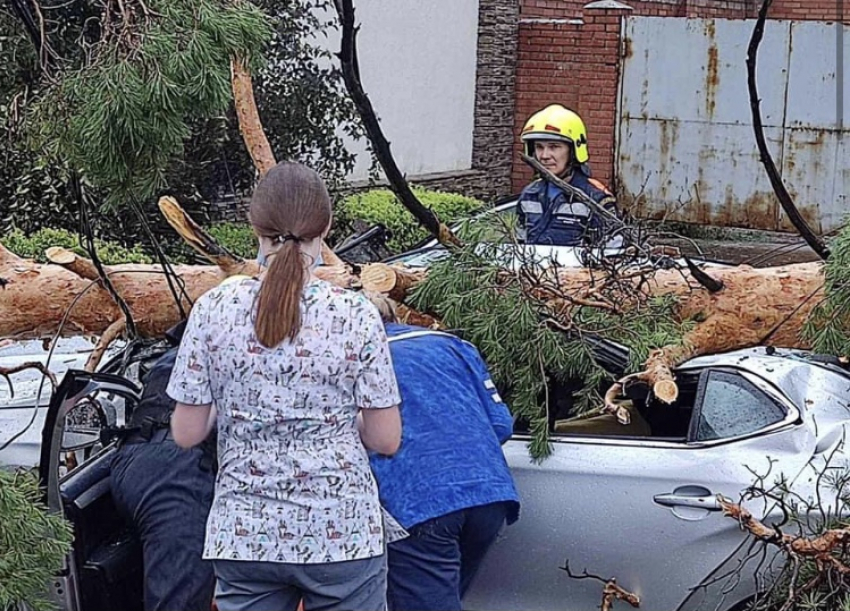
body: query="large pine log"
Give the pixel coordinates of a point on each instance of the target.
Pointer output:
(756, 306)
(752, 303)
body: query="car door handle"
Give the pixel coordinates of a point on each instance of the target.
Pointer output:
(671, 499)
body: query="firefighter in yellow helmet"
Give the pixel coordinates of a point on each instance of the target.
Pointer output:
(557, 138)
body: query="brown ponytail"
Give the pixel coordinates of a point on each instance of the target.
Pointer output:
(290, 205)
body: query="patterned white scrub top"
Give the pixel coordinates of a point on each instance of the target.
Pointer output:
(294, 481)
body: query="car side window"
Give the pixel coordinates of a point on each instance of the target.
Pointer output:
(731, 406)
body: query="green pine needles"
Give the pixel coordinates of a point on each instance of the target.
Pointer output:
(827, 329)
(522, 341)
(121, 115)
(33, 543)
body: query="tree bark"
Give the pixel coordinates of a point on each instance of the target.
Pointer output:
(40, 301)
(785, 200)
(756, 306)
(351, 77)
(254, 135)
(65, 297)
(766, 306)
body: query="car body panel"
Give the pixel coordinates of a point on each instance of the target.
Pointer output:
(604, 503)
(617, 529)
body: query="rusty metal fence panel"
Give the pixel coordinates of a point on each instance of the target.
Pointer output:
(685, 147)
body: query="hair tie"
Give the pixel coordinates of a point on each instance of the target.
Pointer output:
(282, 239)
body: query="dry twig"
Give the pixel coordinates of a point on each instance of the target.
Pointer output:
(817, 549)
(8, 371)
(610, 590)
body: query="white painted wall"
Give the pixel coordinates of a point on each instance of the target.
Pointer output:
(686, 143)
(418, 64)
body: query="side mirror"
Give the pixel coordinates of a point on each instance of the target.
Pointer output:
(83, 425)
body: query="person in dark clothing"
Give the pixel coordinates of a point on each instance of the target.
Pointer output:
(166, 493)
(449, 484)
(557, 138)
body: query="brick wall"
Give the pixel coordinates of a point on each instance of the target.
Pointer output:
(574, 63)
(809, 10)
(569, 53)
(498, 23)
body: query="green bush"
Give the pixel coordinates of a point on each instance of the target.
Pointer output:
(238, 238)
(382, 206)
(33, 542)
(32, 246)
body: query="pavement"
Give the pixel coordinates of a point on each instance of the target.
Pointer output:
(761, 249)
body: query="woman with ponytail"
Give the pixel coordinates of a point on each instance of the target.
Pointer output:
(296, 375)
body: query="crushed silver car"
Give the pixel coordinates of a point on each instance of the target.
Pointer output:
(636, 502)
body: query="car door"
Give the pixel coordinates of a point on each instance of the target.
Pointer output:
(104, 570)
(642, 510)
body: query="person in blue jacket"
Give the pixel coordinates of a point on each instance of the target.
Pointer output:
(557, 138)
(449, 484)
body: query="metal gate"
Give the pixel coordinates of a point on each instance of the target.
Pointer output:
(686, 149)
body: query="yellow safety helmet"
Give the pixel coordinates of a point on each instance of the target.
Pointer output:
(556, 123)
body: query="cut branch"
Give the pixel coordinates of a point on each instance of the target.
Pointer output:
(816, 244)
(398, 184)
(110, 335)
(81, 266)
(389, 280)
(610, 590)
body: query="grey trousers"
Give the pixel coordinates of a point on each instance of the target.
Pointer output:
(356, 585)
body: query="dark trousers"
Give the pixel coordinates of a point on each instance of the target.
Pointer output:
(163, 491)
(356, 585)
(432, 568)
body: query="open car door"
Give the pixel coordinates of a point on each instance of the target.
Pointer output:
(104, 570)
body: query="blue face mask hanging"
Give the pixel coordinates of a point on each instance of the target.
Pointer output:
(263, 262)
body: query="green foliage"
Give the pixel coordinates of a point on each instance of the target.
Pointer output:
(33, 542)
(238, 238)
(123, 115)
(827, 328)
(382, 206)
(472, 295)
(33, 246)
(168, 121)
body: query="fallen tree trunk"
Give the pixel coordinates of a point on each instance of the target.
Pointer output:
(754, 303)
(65, 297)
(756, 306)
(42, 300)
